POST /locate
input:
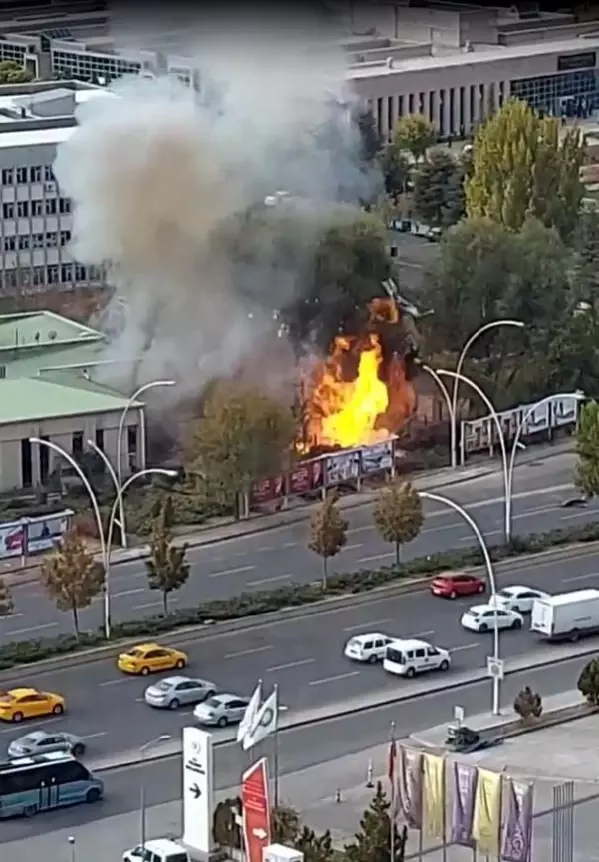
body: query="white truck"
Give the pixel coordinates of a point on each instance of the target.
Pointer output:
(566, 616)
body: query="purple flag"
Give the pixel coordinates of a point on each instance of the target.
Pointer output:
(409, 787)
(517, 830)
(464, 797)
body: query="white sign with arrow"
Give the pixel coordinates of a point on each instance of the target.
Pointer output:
(260, 833)
(198, 789)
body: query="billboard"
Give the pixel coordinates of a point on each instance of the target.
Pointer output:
(198, 789)
(342, 467)
(33, 535)
(255, 802)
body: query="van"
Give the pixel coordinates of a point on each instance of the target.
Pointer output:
(157, 850)
(409, 657)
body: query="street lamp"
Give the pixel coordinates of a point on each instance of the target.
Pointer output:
(119, 440)
(452, 417)
(105, 544)
(142, 785)
(578, 396)
(436, 498)
(480, 331)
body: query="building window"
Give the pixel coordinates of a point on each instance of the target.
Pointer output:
(39, 275)
(80, 272)
(100, 438)
(44, 463)
(421, 103)
(48, 175)
(8, 177)
(65, 237)
(8, 210)
(53, 274)
(66, 273)
(26, 471)
(23, 209)
(442, 128)
(411, 103)
(35, 174)
(64, 205)
(37, 208)
(51, 240)
(431, 106)
(10, 278)
(77, 446)
(21, 175)
(10, 243)
(452, 111)
(51, 206)
(37, 240)
(400, 107)
(23, 243)
(462, 129)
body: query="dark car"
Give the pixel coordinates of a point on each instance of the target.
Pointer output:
(456, 585)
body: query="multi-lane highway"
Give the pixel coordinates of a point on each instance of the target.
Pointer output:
(276, 557)
(298, 748)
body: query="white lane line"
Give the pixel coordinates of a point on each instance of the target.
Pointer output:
(113, 682)
(419, 635)
(334, 678)
(128, 593)
(289, 664)
(247, 652)
(95, 735)
(34, 725)
(237, 571)
(464, 646)
(31, 629)
(571, 517)
(289, 545)
(269, 580)
(353, 547)
(155, 604)
(376, 557)
(368, 626)
(487, 535)
(580, 577)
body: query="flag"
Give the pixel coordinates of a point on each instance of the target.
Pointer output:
(409, 786)
(251, 712)
(487, 813)
(391, 772)
(517, 830)
(433, 796)
(265, 722)
(464, 795)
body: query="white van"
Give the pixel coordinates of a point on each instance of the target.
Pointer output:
(409, 657)
(157, 850)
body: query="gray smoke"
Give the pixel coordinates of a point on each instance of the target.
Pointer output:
(159, 174)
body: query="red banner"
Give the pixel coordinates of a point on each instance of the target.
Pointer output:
(256, 810)
(306, 477)
(267, 490)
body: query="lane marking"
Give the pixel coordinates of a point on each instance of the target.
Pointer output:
(237, 571)
(352, 547)
(580, 577)
(300, 663)
(464, 646)
(587, 514)
(289, 545)
(269, 580)
(158, 603)
(115, 681)
(376, 557)
(247, 652)
(95, 735)
(366, 625)
(33, 725)
(487, 535)
(128, 593)
(31, 629)
(334, 678)
(418, 635)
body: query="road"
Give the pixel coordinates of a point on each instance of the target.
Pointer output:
(271, 559)
(303, 655)
(298, 749)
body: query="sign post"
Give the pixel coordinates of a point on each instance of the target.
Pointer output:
(198, 790)
(256, 810)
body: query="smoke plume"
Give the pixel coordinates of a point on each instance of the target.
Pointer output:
(158, 173)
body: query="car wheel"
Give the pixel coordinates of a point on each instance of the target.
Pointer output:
(453, 595)
(483, 627)
(18, 716)
(410, 672)
(444, 665)
(92, 795)
(30, 811)
(209, 694)
(517, 624)
(574, 636)
(144, 671)
(58, 709)
(174, 704)
(222, 722)
(180, 664)
(372, 659)
(78, 749)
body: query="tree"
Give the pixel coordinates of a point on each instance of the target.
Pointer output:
(373, 842)
(166, 567)
(225, 830)
(285, 824)
(243, 435)
(439, 195)
(588, 681)
(525, 165)
(369, 136)
(586, 474)
(414, 134)
(71, 576)
(7, 605)
(528, 704)
(14, 73)
(398, 515)
(328, 533)
(396, 171)
(287, 829)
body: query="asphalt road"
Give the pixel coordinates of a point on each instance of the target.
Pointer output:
(303, 655)
(298, 749)
(271, 559)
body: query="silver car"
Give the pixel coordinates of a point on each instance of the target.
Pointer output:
(221, 710)
(39, 742)
(176, 691)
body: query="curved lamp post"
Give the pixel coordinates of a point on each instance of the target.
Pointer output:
(152, 743)
(436, 498)
(447, 397)
(480, 331)
(119, 443)
(105, 543)
(579, 396)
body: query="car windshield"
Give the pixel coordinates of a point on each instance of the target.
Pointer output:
(213, 703)
(474, 613)
(136, 653)
(163, 685)
(30, 740)
(354, 642)
(506, 594)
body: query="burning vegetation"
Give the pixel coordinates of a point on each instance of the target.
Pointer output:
(362, 392)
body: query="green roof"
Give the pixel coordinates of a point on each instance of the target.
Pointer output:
(38, 329)
(33, 399)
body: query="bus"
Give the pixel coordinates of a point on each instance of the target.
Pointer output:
(42, 782)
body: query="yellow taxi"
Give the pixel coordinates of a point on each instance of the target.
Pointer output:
(151, 658)
(20, 703)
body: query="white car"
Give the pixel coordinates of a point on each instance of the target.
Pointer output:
(367, 648)
(519, 599)
(157, 850)
(481, 618)
(409, 657)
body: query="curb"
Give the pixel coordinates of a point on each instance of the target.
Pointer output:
(474, 678)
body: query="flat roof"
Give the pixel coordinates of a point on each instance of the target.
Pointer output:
(35, 137)
(39, 329)
(482, 54)
(34, 399)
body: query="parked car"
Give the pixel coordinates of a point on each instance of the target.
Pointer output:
(454, 585)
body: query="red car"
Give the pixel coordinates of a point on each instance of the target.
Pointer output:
(455, 585)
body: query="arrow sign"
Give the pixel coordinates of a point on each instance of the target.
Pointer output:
(260, 833)
(255, 806)
(195, 791)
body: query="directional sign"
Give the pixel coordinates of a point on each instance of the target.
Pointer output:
(198, 784)
(495, 668)
(256, 810)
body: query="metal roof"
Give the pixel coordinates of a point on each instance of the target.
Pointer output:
(38, 329)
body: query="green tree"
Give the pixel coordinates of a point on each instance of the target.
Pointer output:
(7, 605)
(586, 474)
(287, 829)
(166, 566)
(71, 576)
(14, 73)
(395, 169)
(373, 842)
(525, 165)
(398, 515)
(588, 681)
(439, 194)
(528, 704)
(414, 134)
(328, 533)
(242, 436)
(285, 825)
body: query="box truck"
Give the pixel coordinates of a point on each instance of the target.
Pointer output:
(566, 616)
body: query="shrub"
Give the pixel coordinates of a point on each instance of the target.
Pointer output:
(588, 681)
(528, 704)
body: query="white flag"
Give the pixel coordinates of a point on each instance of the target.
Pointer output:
(249, 716)
(265, 721)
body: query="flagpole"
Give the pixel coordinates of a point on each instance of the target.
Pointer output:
(275, 752)
(393, 805)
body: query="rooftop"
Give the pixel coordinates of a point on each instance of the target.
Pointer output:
(34, 399)
(38, 329)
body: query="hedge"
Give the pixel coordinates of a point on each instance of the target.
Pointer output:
(292, 595)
